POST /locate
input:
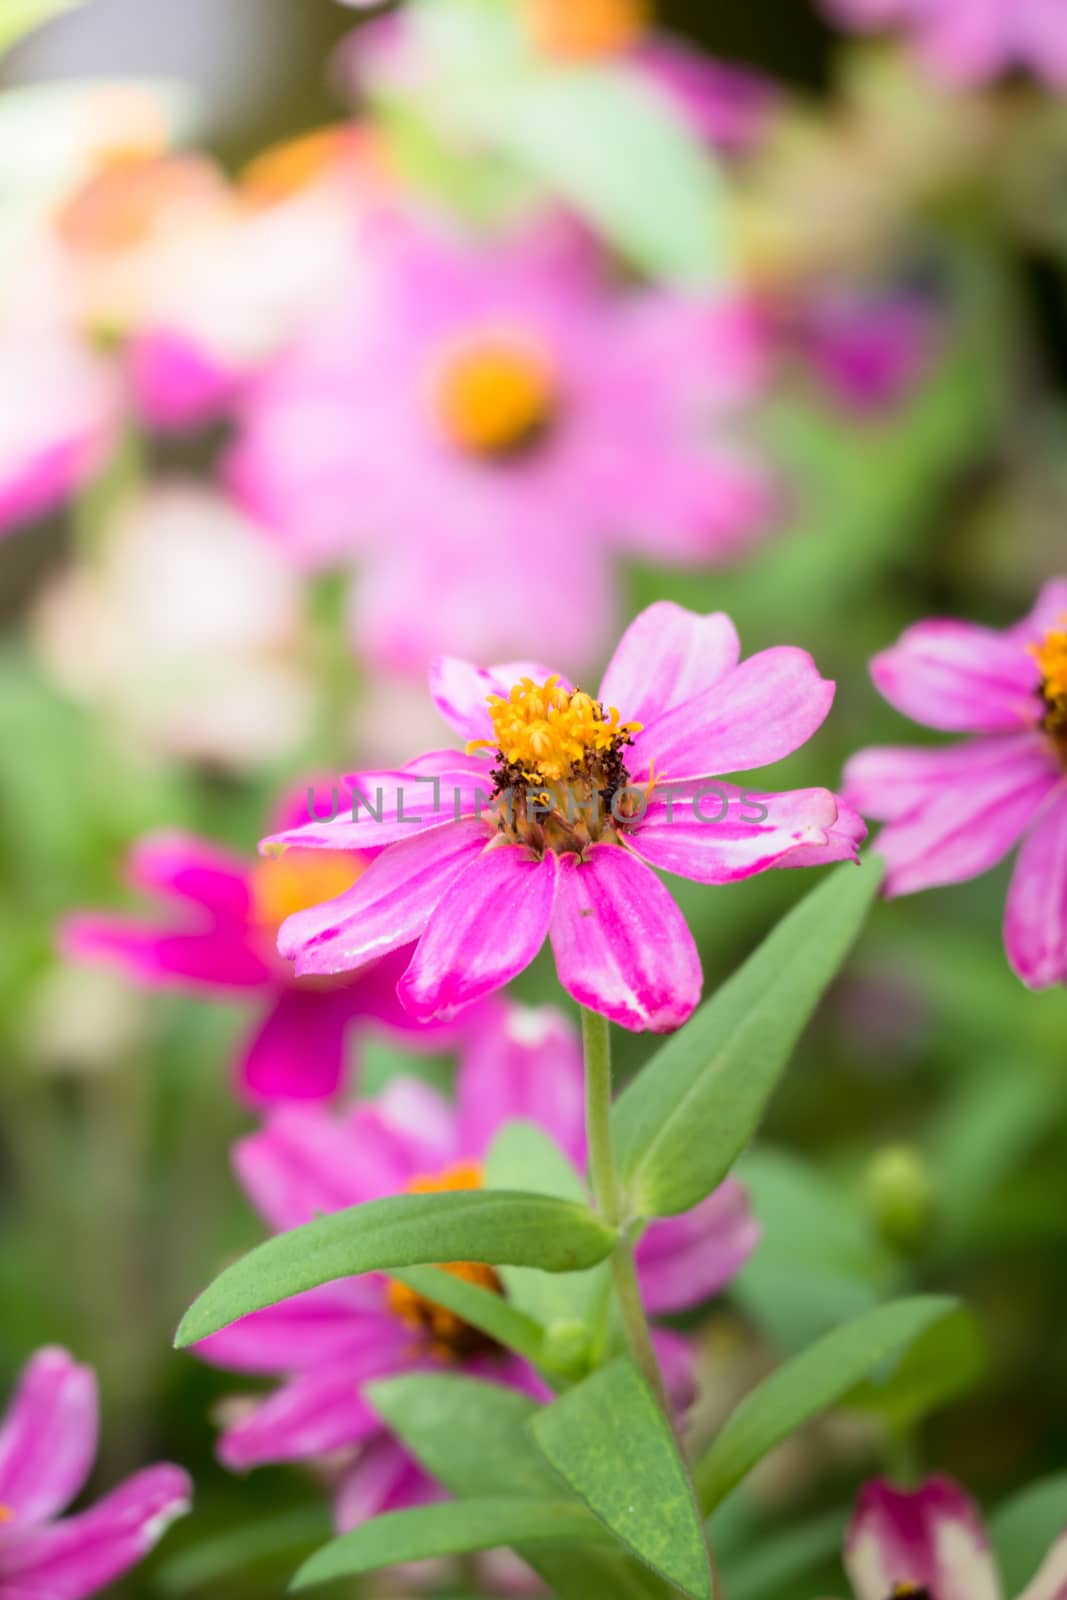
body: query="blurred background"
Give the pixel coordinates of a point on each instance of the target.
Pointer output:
(197, 623)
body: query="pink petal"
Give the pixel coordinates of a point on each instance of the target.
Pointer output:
(388, 907)
(1035, 923)
(687, 836)
(304, 1162)
(888, 782)
(684, 1260)
(316, 1412)
(408, 1130)
(487, 927)
(384, 1478)
(761, 711)
(1050, 607)
(621, 945)
(677, 1359)
(843, 839)
(967, 44)
(932, 1539)
(86, 1553)
(522, 1064)
(460, 691)
(48, 1438)
(959, 833)
(1050, 1580)
(185, 867)
(212, 959)
(297, 1050)
(320, 1327)
(960, 678)
(667, 656)
(392, 806)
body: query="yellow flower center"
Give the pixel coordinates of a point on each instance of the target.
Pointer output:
(297, 879)
(1051, 657)
(583, 30)
(496, 396)
(546, 732)
(448, 1336)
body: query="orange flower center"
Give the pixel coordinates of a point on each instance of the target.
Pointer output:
(287, 168)
(496, 396)
(6, 1514)
(583, 30)
(448, 1336)
(120, 207)
(297, 879)
(1051, 657)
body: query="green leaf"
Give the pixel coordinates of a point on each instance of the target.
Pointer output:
(482, 1308)
(808, 1385)
(1025, 1527)
(523, 1156)
(23, 16)
(684, 1120)
(285, 1537)
(456, 1528)
(611, 1442)
(617, 150)
(942, 1363)
(772, 1558)
(475, 1439)
(499, 1227)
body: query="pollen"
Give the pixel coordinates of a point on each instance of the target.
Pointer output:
(586, 30)
(548, 732)
(297, 879)
(1051, 657)
(496, 396)
(449, 1338)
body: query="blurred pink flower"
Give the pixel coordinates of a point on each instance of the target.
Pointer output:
(328, 1343)
(870, 350)
(59, 414)
(968, 41)
(483, 422)
(218, 937)
(931, 1541)
(954, 813)
(558, 812)
(47, 1444)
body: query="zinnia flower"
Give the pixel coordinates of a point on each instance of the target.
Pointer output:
(47, 1445)
(478, 418)
(328, 1343)
(969, 41)
(551, 823)
(218, 937)
(930, 1541)
(954, 813)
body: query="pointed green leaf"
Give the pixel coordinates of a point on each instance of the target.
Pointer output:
(499, 1227)
(474, 1438)
(456, 1528)
(611, 1442)
(617, 150)
(943, 1362)
(808, 1385)
(684, 1120)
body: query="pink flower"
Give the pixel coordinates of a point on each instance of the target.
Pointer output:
(218, 938)
(480, 419)
(931, 1541)
(327, 1344)
(59, 411)
(871, 351)
(552, 822)
(968, 41)
(954, 813)
(47, 1444)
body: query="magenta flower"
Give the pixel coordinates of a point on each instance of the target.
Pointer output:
(553, 821)
(968, 41)
(47, 1445)
(476, 419)
(954, 813)
(325, 1345)
(869, 350)
(931, 1542)
(219, 938)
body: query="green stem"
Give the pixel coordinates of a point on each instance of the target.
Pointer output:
(596, 1040)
